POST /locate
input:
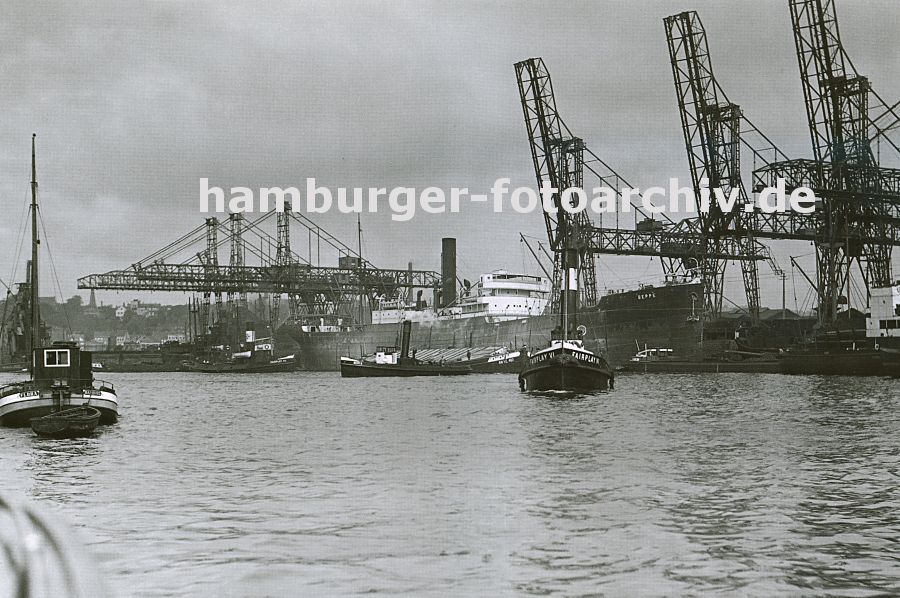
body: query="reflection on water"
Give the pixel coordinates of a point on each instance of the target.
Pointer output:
(61, 469)
(309, 484)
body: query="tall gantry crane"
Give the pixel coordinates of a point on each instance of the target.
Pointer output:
(858, 218)
(558, 157)
(712, 141)
(712, 136)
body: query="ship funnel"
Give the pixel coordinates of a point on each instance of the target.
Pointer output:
(448, 271)
(250, 333)
(405, 333)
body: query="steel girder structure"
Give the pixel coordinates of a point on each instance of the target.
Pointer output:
(857, 223)
(315, 289)
(558, 159)
(209, 258)
(712, 134)
(282, 258)
(875, 193)
(671, 243)
(677, 243)
(322, 288)
(871, 183)
(869, 180)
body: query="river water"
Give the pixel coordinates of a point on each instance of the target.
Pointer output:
(306, 484)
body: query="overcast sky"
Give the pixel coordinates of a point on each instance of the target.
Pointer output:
(133, 102)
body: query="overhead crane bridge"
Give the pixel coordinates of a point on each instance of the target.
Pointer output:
(310, 288)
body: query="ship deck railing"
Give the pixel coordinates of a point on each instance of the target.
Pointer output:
(94, 383)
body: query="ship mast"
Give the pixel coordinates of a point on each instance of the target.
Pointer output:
(35, 242)
(359, 265)
(570, 266)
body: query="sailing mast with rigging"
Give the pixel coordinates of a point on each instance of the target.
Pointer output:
(61, 376)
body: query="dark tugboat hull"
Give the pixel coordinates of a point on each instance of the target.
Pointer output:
(229, 368)
(70, 423)
(847, 363)
(367, 370)
(563, 373)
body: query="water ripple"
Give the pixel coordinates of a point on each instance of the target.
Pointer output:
(310, 484)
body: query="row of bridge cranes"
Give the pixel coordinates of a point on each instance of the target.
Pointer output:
(854, 225)
(279, 270)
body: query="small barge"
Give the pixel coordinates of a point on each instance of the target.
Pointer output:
(391, 361)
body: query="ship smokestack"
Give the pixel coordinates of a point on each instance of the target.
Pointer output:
(448, 271)
(405, 333)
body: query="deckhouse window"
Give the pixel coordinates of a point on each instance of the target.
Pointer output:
(56, 358)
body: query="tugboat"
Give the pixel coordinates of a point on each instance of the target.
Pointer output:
(566, 365)
(391, 361)
(61, 376)
(257, 356)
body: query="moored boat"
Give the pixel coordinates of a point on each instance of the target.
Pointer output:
(890, 361)
(256, 356)
(391, 361)
(355, 368)
(658, 360)
(68, 423)
(61, 375)
(883, 326)
(61, 378)
(244, 366)
(501, 361)
(834, 361)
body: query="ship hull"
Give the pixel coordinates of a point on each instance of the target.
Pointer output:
(564, 373)
(890, 361)
(366, 370)
(849, 363)
(502, 366)
(17, 409)
(241, 368)
(654, 316)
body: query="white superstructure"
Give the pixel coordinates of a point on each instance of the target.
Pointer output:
(884, 312)
(498, 296)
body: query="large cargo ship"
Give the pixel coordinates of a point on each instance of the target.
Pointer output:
(509, 309)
